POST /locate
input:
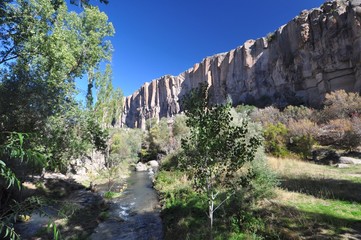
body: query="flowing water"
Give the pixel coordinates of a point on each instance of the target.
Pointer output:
(134, 215)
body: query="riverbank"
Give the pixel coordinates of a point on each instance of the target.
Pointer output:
(61, 205)
(125, 208)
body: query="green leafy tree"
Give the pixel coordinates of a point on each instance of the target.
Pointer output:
(85, 3)
(109, 100)
(45, 48)
(216, 151)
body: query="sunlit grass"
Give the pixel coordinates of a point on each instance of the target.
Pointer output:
(294, 168)
(315, 201)
(333, 208)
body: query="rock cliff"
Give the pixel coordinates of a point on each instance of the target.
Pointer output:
(316, 52)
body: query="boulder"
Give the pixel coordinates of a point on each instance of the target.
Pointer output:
(355, 3)
(141, 167)
(342, 165)
(349, 160)
(153, 164)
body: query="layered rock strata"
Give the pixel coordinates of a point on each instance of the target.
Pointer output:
(316, 52)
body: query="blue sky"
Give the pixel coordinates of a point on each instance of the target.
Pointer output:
(158, 37)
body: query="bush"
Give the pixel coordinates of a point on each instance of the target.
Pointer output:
(276, 139)
(268, 115)
(340, 105)
(297, 113)
(301, 135)
(110, 194)
(342, 133)
(245, 109)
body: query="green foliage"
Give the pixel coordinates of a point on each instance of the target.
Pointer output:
(216, 150)
(8, 175)
(298, 113)
(40, 78)
(86, 3)
(302, 145)
(110, 194)
(245, 109)
(301, 135)
(12, 148)
(183, 213)
(180, 126)
(44, 49)
(8, 231)
(109, 100)
(276, 139)
(68, 209)
(126, 144)
(103, 215)
(98, 135)
(159, 136)
(10, 215)
(53, 228)
(159, 139)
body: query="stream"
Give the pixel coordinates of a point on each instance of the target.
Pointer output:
(134, 215)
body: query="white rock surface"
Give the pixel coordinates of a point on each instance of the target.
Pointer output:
(349, 160)
(141, 167)
(153, 163)
(342, 165)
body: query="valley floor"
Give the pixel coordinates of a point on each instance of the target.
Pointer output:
(311, 202)
(315, 201)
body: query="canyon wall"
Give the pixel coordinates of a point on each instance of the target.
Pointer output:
(317, 52)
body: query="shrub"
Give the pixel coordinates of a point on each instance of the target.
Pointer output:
(301, 135)
(245, 109)
(276, 139)
(110, 194)
(342, 133)
(268, 115)
(297, 112)
(340, 104)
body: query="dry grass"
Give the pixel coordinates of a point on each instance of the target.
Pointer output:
(315, 201)
(298, 168)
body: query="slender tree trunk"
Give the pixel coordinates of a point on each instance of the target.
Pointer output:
(210, 212)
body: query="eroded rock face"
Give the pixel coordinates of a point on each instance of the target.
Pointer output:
(316, 52)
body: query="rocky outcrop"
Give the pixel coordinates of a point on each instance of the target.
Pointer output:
(316, 52)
